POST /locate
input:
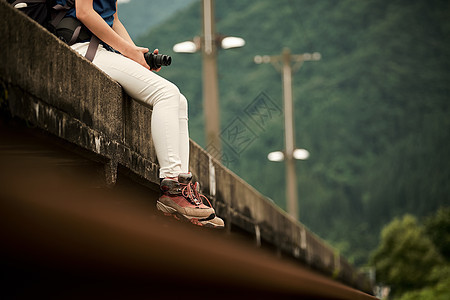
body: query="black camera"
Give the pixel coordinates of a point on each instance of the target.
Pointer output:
(155, 61)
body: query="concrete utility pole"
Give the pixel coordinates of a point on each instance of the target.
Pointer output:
(286, 63)
(209, 43)
(210, 82)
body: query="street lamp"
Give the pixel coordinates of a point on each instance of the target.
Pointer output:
(291, 189)
(208, 44)
(276, 156)
(224, 42)
(186, 47)
(299, 154)
(230, 42)
(288, 63)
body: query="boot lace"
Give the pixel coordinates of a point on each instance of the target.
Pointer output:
(192, 195)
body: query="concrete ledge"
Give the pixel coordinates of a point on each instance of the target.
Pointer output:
(45, 83)
(53, 87)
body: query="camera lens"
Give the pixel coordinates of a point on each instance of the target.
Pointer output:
(155, 61)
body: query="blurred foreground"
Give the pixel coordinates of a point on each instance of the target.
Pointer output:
(65, 235)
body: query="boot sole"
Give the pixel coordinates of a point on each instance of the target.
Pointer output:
(170, 211)
(210, 224)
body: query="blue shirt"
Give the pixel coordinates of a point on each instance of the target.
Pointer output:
(105, 8)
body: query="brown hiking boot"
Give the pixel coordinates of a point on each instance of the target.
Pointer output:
(215, 222)
(180, 200)
(212, 223)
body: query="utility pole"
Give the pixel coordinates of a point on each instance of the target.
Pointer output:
(209, 43)
(291, 176)
(287, 64)
(210, 82)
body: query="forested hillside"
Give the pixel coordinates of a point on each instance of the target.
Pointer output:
(373, 112)
(138, 16)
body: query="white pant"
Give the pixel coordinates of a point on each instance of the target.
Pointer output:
(169, 124)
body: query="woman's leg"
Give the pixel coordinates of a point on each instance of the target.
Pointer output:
(184, 134)
(169, 118)
(169, 131)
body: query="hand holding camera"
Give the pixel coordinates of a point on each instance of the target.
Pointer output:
(156, 60)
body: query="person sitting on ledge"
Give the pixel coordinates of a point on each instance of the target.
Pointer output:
(123, 61)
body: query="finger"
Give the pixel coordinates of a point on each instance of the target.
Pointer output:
(156, 51)
(143, 62)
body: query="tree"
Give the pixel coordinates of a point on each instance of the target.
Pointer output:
(437, 228)
(405, 257)
(438, 291)
(373, 112)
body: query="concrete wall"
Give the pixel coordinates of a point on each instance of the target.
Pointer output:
(45, 83)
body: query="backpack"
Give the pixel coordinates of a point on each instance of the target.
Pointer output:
(51, 15)
(45, 12)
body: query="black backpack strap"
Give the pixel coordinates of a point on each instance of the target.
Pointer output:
(75, 35)
(92, 48)
(61, 13)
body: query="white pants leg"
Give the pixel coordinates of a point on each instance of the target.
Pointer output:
(169, 123)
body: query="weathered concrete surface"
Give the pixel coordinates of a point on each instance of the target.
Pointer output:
(54, 88)
(46, 84)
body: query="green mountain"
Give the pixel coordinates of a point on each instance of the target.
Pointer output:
(373, 112)
(139, 16)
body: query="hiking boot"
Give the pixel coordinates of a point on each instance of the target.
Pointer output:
(180, 200)
(215, 222)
